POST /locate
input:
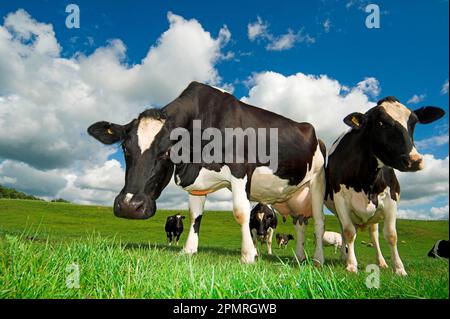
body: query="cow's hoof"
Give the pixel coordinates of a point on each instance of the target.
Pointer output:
(352, 268)
(249, 258)
(318, 264)
(319, 261)
(401, 272)
(189, 251)
(383, 265)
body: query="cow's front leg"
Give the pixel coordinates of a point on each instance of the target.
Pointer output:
(269, 240)
(374, 235)
(390, 234)
(241, 212)
(348, 232)
(169, 238)
(300, 250)
(196, 205)
(317, 198)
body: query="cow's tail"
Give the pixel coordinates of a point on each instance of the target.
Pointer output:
(323, 150)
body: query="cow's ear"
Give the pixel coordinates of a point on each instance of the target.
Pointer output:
(291, 237)
(107, 133)
(355, 120)
(183, 217)
(429, 114)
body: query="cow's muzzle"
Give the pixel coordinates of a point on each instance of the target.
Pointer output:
(412, 163)
(136, 207)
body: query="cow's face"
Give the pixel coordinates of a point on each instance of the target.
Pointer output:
(389, 129)
(148, 167)
(261, 219)
(179, 221)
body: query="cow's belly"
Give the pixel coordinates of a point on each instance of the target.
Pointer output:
(267, 188)
(362, 210)
(209, 181)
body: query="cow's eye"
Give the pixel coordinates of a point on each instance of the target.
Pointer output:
(380, 124)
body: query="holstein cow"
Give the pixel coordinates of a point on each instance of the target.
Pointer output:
(263, 221)
(174, 228)
(362, 188)
(334, 239)
(283, 239)
(295, 187)
(440, 249)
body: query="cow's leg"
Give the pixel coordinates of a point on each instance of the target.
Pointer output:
(373, 230)
(348, 231)
(300, 250)
(169, 238)
(241, 212)
(390, 234)
(178, 238)
(317, 198)
(344, 244)
(196, 205)
(255, 238)
(269, 240)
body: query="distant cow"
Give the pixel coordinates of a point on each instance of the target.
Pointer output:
(263, 221)
(440, 249)
(174, 228)
(283, 239)
(362, 188)
(331, 238)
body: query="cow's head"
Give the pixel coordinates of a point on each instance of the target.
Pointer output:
(389, 129)
(145, 143)
(261, 219)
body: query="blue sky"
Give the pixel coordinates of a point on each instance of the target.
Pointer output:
(408, 55)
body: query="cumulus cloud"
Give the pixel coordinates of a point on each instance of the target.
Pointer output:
(47, 101)
(259, 30)
(435, 213)
(320, 100)
(423, 187)
(416, 98)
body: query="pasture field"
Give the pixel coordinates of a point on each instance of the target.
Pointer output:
(130, 259)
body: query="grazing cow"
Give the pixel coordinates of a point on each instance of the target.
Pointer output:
(440, 249)
(263, 221)
(295, 186)
(331, 238)
(283, 239)
(362, 188)
(174, 228)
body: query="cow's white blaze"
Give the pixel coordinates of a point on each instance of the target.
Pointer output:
(147, 130)
(398, 112)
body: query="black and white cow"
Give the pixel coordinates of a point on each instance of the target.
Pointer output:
(362, 188)
(263, 222)
(283, 239)
(440, 249)
(296, 187)
(174, 228)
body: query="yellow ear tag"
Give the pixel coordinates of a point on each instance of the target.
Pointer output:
(355, 121)
(110, 131)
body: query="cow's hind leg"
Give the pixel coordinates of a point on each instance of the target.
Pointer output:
(300, 250)
(374, 235)
(269, 240)
(196, 205)
(241, 212)
(317, 197)
(169, 238)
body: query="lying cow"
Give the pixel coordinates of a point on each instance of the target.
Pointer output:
(295, 186)
(263, 221)
(331, 238)
(362, 188)
(440, 249)
(174, 228)
(283, 239)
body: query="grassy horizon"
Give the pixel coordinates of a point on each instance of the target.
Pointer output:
(130, 259)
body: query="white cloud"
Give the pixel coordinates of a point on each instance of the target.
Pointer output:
(444, 89)
(434, 141)
(327, 25)
(259, 30)
(320, 100)
(435, 213)
(416, 98)
(425, 186)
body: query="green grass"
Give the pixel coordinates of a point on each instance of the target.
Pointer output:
(129, 259)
